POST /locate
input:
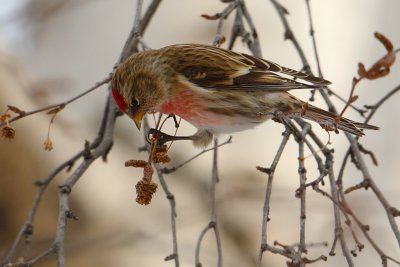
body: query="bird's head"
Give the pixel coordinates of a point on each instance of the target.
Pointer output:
(137, 90)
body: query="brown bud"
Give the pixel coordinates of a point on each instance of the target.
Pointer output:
(55, 110)
(211, 17)
(8, 132)
(148, 172)
(48, 144)
(16, 110)
(4, 117)
(160, 155)
(145, 190)
(136, 163)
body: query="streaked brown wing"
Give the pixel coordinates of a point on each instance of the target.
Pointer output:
(216, 68)
(208, 66)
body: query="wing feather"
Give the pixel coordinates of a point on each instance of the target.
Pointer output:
(219, 69)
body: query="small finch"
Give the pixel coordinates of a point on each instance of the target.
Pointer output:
(217, 90)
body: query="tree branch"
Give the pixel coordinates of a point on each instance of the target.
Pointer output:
(99, 148)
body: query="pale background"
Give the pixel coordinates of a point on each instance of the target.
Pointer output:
(56, 56)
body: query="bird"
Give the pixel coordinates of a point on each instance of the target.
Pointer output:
(217, 90)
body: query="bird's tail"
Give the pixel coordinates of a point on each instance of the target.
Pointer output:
(332, 122)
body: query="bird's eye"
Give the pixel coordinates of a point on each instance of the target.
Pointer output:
(134, 106)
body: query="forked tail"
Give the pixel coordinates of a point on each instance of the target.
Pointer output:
(331, 122)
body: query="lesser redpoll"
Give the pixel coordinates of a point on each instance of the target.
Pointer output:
(217, 90)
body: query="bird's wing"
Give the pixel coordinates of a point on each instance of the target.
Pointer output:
(215, 68)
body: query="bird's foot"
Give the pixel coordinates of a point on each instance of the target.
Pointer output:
(163, 138)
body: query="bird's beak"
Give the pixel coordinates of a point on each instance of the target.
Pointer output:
(137, 118)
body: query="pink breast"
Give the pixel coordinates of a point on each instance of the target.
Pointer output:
(192, 108)
(183, 105)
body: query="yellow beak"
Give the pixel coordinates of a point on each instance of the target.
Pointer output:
(137, 118)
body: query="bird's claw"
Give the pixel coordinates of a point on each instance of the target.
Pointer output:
(163, 138)
(155, 134)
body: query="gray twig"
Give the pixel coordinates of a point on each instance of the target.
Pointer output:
(270, 172)
(99, 148)
(212, 224)
(172, 169)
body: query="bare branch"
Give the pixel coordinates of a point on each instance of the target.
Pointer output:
(289, 35)
(212, 224)
(270, 172)
(170, 170)
(59, 105)
(338, 224)
(171, 199)
(99, 148)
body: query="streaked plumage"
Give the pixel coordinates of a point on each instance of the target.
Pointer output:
(216, 90)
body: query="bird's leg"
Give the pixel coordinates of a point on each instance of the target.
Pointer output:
(201, 138)
(173, 117)
(175, 120)
(163, 138)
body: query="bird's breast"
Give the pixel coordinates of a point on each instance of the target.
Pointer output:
(183, 104)
(193, 107)
(212, 111)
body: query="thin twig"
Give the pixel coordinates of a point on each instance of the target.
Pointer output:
(374, 108)
(364, 229)
(27, 229)
(59, 105)
(371, 183)
(282, 12)
(219, 37)
(253, 43)
(99, 148)
(343, 100)
(137, 31)
(310, 133)
(302, 175)
(338, 225)
(212, 224)
(43, 255)
(270, 172)
(65, 189)
(171, 198)
(173, 169)
(314, 41)
(214, 181)
(355, 151)
(237, 28)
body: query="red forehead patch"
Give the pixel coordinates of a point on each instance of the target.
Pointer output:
(119, 100)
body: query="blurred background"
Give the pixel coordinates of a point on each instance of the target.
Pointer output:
(51, 50)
